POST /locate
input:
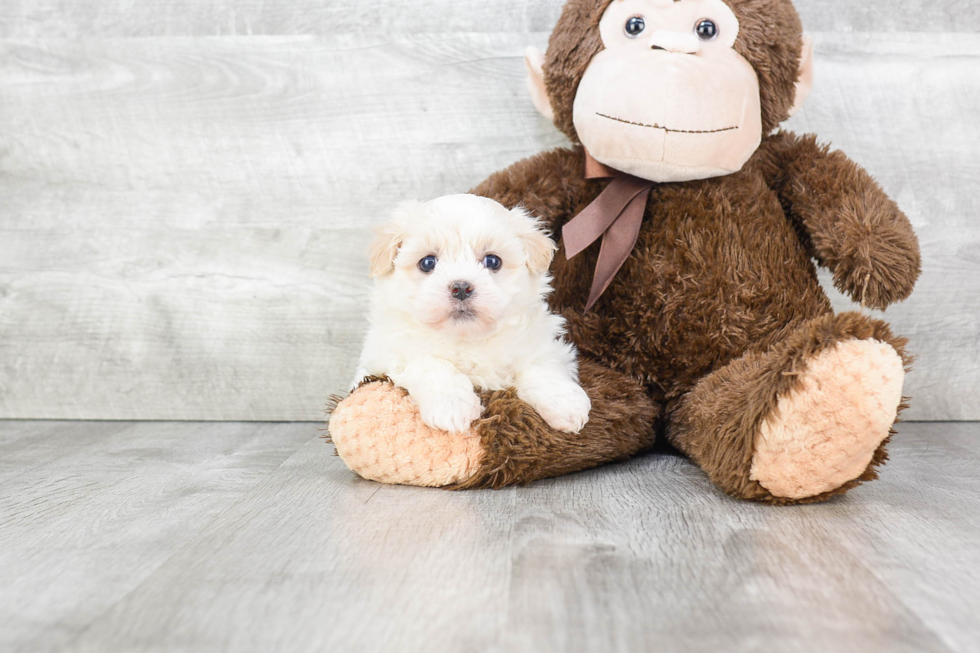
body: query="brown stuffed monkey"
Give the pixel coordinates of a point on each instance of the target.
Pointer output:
(689, 232)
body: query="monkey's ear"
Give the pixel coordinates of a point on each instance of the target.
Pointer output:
(534, 63)
(389, 237)
(804, 83)
(538, 245)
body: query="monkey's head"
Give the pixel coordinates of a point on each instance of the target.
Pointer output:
(672, 90)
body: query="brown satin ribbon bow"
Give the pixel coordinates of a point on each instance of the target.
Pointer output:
(615, 216)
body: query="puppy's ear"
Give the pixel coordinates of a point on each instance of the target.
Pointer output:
(538, 245)
(389, 237)
(387, 240)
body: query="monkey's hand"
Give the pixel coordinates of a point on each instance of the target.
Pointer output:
(854, 228)
(872, 251)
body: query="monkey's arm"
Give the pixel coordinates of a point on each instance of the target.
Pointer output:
(549, 185)
(854, 228)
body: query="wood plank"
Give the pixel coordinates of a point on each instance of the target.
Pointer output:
(328, 560)
(98, 507)
(248, 551)
(183, 220)
(927, 501)
(26, 446)
(71, 18)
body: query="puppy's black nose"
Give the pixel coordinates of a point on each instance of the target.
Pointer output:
(461, 290)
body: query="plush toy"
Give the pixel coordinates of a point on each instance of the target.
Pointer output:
(689, 229)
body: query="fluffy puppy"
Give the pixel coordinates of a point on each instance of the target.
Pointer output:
(459, 303)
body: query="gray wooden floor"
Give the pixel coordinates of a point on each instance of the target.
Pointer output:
(232, 536)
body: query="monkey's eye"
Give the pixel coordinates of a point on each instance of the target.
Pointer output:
(491, 262)
(635, 26)
(706, 29)
(428, 263)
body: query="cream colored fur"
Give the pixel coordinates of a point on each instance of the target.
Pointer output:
(507, 338)
(825, 433)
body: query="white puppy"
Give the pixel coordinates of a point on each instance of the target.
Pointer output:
(459, 303)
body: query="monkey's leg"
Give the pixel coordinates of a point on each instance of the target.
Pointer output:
(379, 435)
(804, 421)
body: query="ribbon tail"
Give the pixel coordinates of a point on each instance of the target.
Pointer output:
(617, 244)
(599, 216)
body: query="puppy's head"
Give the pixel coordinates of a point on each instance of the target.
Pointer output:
(461, 263)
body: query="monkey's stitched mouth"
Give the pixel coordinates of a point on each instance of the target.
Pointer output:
(667, 129)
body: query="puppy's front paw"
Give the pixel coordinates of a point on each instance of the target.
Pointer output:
(452, 410)
(565, 407)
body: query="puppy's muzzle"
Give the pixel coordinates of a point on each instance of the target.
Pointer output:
(461, 290)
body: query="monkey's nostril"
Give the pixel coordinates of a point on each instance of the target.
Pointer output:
(656, 47)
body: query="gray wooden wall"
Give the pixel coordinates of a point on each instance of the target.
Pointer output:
(186, 188)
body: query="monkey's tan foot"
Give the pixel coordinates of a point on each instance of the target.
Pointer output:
(824, 432)
(379, 434)
(803, 421)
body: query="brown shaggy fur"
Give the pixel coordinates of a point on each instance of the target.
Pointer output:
(856, 230)
(719, 303)
(521, 448)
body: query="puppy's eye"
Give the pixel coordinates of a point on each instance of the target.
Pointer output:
(635, 26)
(706, 29)
(491, 262)
(428, 263)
